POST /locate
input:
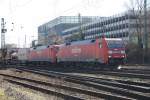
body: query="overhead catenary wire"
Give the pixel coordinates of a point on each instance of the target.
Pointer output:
(81, 6)
(24, 4)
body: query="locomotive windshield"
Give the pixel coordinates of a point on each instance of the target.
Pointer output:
(115, 44)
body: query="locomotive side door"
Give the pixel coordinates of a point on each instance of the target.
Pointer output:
(105, 50)
(98, 49)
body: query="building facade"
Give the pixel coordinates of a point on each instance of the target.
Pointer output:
(114, 26)
(51, 30)
(68, 28)
(125, 26)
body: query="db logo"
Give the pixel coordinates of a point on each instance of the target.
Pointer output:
(38, 52)
(76, 50)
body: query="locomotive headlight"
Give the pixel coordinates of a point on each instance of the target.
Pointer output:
(122, 52)
(110, 52)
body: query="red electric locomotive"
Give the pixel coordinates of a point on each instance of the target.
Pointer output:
(43, 54)
(100, 51)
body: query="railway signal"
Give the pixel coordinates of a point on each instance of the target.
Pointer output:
(3, 31)
(3, 48)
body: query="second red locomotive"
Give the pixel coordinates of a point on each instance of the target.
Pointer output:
(43, 54)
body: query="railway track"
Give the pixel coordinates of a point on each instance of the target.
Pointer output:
(130, 73)
(43, 90)
(125, 74)
(127, 89)
(138, 71)
(20, 81)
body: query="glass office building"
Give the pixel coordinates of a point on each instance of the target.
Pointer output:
(122, 25)
(118, 26)
(47, 31)
(114, 26)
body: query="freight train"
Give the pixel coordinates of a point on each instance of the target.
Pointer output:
(102, 51)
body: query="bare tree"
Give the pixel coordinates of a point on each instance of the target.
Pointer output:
(136, 13)
(136, 7)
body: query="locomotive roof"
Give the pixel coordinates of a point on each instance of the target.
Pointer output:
(91, 41)
(43, 47)
(113, 39)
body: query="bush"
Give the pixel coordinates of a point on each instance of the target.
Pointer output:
(135, 54)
